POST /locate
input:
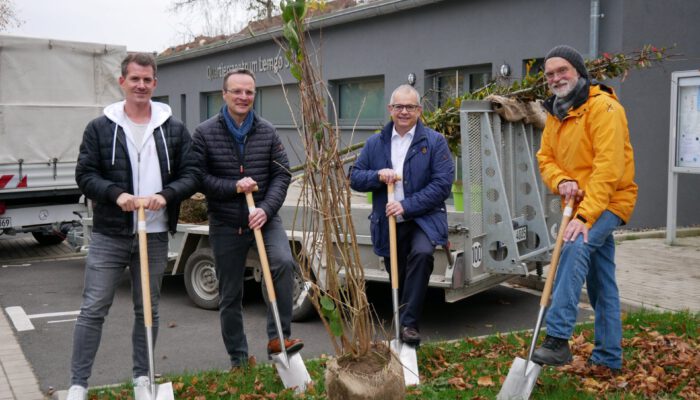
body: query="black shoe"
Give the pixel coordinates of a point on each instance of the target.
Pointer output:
(554, 351)
(410, 335)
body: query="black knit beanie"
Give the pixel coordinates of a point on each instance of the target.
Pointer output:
(571, 55)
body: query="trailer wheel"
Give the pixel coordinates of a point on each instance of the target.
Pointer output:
(200, 279)
(303, 307)
(48, 239)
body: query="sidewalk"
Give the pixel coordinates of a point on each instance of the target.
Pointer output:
(17, 380)
(653, 275)
(650, 275)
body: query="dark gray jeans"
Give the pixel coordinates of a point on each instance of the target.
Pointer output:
(230, 250)
(104, 267)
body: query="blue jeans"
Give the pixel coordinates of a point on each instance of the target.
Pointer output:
(104, 267)
(415, 264)
(230, 249)
(593, 262)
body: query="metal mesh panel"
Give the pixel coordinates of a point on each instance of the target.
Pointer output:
(507, 165)
(476, 223)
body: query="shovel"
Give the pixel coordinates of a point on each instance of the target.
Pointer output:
(291, 370)
(406, 352)
(163, 391)
(523, 373)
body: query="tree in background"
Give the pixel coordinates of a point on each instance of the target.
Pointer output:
(224, 17)
(217, 17)
(262, 8)
(8, 15)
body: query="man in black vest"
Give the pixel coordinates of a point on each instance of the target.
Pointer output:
(237, 151)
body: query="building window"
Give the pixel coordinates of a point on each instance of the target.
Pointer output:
(270, 103)
(360, 100)
(532, 66)
(161, 99)
(183, 108)
(213, 101)
(454, 82)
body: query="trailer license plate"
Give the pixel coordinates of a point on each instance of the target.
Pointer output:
(5, 222)
(520, 234)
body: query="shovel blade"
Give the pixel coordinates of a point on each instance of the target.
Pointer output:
(409, 361)
(520, 381)
(295, 374)
(164, 391)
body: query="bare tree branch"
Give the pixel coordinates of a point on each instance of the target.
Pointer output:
(8, 15)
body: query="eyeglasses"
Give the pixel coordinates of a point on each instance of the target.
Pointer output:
(240, 92)
(559, 72)
(407, 107)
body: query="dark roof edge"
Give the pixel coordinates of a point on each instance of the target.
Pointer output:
(373, 9)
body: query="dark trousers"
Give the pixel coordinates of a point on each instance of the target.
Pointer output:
(230, 250)
(415, 262)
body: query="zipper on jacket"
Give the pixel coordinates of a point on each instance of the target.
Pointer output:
(138, 173)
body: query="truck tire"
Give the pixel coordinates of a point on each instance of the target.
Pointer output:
(302, 308)
(48, 239)
(200, 279)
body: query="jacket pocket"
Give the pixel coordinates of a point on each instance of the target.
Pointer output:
(379, 229)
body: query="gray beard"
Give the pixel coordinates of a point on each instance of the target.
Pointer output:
(562, 104)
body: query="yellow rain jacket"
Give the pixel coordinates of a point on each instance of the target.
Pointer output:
(592, 147)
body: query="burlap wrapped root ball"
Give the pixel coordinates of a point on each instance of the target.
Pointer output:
(379, 375)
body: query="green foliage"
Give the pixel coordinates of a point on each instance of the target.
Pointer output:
(533, 86)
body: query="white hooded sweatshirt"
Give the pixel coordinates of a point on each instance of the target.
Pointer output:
(145, 166)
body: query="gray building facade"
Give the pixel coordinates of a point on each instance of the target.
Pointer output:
(453, 46)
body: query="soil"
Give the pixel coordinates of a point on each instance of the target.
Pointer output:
(370, 364)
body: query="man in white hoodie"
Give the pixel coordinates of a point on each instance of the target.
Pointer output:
(135, 152)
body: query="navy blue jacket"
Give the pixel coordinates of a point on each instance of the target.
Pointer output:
(221, 166)
(427, 177)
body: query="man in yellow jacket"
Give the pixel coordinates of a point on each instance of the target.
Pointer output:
(585, 147)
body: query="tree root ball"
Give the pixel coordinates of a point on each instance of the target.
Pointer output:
(378, 375)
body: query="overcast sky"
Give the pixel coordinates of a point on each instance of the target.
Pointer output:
(141, 25)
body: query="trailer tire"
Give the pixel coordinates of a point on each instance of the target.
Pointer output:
(302, 307)
(48, 239)
(200, 279)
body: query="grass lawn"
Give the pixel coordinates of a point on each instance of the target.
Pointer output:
(661, 361)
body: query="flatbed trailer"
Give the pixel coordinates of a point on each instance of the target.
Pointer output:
(507, 226)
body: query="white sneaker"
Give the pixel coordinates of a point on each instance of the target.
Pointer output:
(142, 381)
(77, 392)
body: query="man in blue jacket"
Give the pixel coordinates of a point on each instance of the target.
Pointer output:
(417, 160)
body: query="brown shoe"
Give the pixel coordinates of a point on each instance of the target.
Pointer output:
(292, 346)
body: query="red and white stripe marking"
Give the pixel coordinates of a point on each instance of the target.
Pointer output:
(13, 181)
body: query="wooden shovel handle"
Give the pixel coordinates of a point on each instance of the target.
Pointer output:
(565, 218)
(392, 242)
(145, 277)
(261, 250)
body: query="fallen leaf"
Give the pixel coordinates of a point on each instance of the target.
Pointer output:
(457, 382)
(485, 381)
